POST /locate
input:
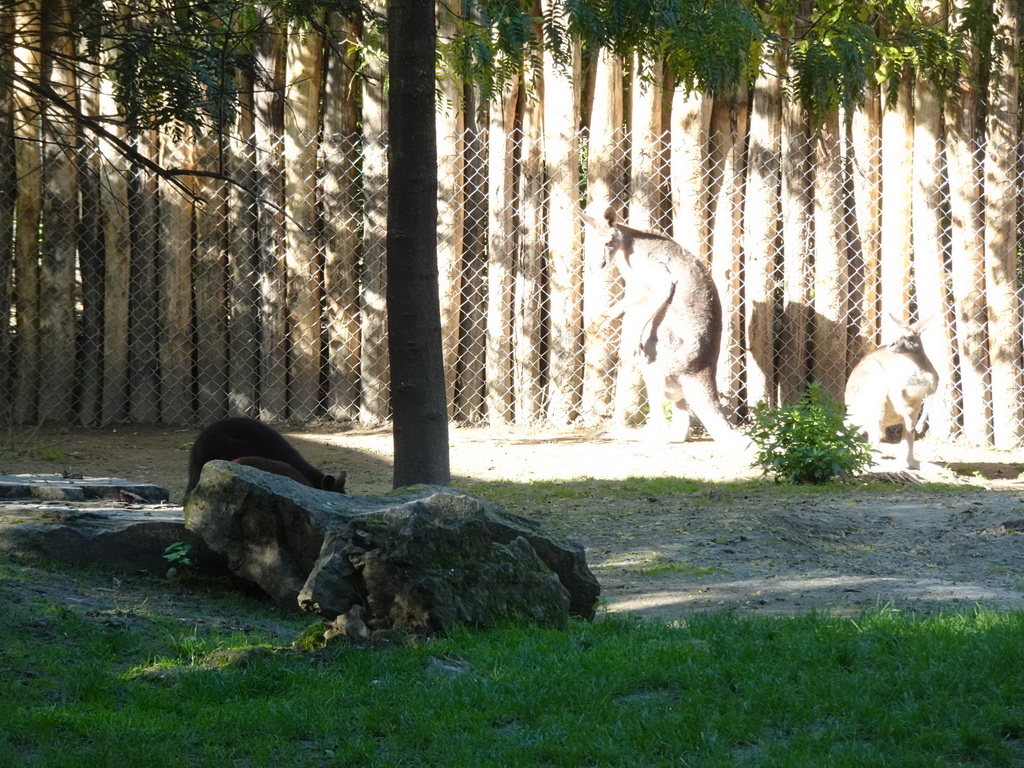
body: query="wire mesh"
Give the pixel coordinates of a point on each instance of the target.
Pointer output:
(264, 294)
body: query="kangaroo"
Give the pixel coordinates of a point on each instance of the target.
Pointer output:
(888, 387)
(672, 318)
(274, 467)
(253, 441)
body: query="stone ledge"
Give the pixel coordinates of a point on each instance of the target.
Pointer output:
(59, 487)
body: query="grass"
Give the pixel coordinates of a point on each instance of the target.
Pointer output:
(155, 684)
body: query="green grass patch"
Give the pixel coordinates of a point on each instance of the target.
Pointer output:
(158, 685)
(663, 566)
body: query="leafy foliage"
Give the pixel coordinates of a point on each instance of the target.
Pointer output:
(834, 54)
(808, 442)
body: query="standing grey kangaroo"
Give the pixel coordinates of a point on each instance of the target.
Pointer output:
(673, 314)
(888, 387)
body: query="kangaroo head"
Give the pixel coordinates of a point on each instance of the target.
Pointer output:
(908, 340)
(609, 233)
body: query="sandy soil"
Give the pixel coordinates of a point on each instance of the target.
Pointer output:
(771, 549)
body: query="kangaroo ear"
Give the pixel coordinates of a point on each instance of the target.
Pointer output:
(920, 324)
(589, 220)
(332, 483)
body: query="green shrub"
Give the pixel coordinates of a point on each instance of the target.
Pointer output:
(809, 442)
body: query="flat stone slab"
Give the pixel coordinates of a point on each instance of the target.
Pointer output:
(61, 488)
(117, 535)
(109, 521)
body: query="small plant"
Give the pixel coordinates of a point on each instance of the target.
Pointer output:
(809, 442)
(177, 554)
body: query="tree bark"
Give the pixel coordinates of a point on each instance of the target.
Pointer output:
(8, 201)
(175, 276)
(375, 405)
(451, 154)
(691, 118)
(529, 278)
(605, 371)
(501, 253)
(244, 263)
(897, 178)
(966, 184)
(417, 363)
(561, 107)
(342, 211)
(762, 226)
(305, 272)
(831, 273)
(726, 160)
(269, 130)
(210, 269)
(472, 352)
(28, 213)
(930, 246)
(1002, 195)
(867, 200)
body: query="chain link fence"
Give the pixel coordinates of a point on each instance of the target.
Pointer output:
(135, 303)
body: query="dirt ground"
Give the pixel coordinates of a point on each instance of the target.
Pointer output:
(774, 549)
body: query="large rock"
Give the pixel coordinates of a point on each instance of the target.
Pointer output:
(423, 558)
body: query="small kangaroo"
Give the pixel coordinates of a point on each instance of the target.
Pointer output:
(888, 387)
(255, 444)
(673, 313)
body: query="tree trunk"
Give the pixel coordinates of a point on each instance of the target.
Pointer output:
(966, 182)
(90, 264)
(472, 353)
(417, 362)
(762, 228)
(375, 406)
(269, 129)
(726, 159)
(603, 373)
(1002, 195)
(116, 269)
(144, 369)
(501, 253)
(793, 346)
(561, 105)
(8, 201)
(930, 246)
(897, 181)
(451, 153)
(244, 264)
(305, 274)
(177, 344)
(342, 211)
(28, 376)
(211, 284)
(691, 119)
(57, 289)
(831, 273)
(866, 169)
(649, 192)
(529, 279)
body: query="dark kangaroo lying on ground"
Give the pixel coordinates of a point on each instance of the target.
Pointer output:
(672, 317)
(888, 387)
(254, 443)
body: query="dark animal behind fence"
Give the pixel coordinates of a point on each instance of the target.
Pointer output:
(256, 444)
